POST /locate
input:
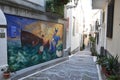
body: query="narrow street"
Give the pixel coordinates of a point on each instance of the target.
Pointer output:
(59, 40)
(80, 66)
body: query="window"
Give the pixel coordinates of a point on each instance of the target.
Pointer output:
(96, 25)
(110, 16)
(103, 16)
(97, 37)
(74, 26)
(2, 32)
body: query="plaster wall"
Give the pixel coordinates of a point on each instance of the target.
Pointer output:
(113, 45)
(75, 37)
(3, 50)
(3, 42)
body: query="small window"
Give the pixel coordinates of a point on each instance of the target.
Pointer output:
(96, 25)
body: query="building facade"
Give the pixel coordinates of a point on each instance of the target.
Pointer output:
(29, 35)
(74, 31)
(110, 26)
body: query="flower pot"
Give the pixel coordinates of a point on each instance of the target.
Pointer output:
(6, 75)
(105, 72)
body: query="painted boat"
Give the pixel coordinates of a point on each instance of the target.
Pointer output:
(28, 38)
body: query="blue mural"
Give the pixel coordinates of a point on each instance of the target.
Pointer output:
(31, 41)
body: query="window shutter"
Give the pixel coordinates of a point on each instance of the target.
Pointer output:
(110, 17)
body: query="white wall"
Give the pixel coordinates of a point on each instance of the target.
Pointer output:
(105, 27)
(113, 45)
(74, 41)
(3, 49)
(3, 42)
(2, 18)
(69, 15)
(75, 38)
(96, 15)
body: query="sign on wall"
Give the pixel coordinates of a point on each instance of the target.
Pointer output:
(31, 41)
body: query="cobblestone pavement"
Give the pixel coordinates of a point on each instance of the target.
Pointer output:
(78, 67)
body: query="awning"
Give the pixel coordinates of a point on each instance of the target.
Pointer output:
(99, 4)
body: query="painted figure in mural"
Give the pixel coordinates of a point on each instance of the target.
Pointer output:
(41, 48)
(54, 41)
(45, 45)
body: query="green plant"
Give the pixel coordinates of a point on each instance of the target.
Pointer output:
(94, 52)
(61, 2)
(49, 5)
(92, 39)
(93, 47)
(56, 6)
(114, 77)
(112, 65)
(101, 60)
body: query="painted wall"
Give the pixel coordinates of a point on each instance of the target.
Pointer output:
(113, 45)
(31, 41)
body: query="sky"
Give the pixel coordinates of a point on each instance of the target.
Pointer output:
(87, 7)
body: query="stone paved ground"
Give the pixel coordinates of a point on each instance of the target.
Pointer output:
(80, 66)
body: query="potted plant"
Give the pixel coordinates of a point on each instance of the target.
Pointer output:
(103, 61)
(109, 64)
(112, 65)
(6, 72)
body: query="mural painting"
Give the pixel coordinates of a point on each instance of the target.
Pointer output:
(31, 41)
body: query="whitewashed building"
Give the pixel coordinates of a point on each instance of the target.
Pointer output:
(74, 30)
(110, 26)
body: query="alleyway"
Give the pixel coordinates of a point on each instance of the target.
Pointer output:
(80, 66)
